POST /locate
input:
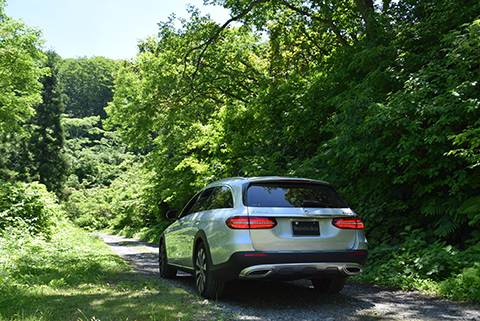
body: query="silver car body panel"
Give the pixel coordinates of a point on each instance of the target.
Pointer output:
(180, 238)
(280, 238)
(222, 240)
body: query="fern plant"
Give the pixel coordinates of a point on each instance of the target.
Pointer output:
(471, 209)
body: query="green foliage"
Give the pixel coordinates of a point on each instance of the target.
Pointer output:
(45, 159)
(464, 286)
(88, 83)
(125, 203)
(335, 23)
(28, 206)
(75, 276)
(105, 186)
(167, 103)
(419, 261)
(392, 123)
(130, 203)
(32, 267)
(30, 130)
(89, 207)
(20, 53)
(12, 149)
(95, 156)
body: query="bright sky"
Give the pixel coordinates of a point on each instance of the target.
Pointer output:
(108, 28)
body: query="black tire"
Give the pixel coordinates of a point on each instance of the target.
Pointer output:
(205, 283)
(332, 285)
(166, 271)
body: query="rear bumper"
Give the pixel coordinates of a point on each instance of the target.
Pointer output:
(291, 266)
(300, 270)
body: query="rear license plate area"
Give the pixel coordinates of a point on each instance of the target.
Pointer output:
(305, 228)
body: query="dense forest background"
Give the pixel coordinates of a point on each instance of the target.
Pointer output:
(382, 100)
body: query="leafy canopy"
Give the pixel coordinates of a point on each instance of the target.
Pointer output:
(20, 54)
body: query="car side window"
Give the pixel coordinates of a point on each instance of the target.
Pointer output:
(204, 200)
(189, 208)
(224, 198)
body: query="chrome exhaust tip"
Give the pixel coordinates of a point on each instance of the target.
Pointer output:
(352, 269)
(256, 272)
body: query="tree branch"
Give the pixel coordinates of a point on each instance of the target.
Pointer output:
(215, 36)
(328, 22)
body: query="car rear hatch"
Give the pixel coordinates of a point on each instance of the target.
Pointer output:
(298, 216)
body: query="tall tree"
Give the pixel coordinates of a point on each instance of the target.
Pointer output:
(88, 83)
(48, 137)
(393, 123)
(171, 101)
(93, 162)
(344, 22)
(20, 53)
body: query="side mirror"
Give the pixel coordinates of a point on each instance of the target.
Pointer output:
(172, 214)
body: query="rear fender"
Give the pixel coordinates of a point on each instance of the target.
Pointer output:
(200, 237)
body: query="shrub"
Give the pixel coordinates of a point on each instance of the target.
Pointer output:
(421, 262)
(90, 208)
(465, 285)
(127, 203)
(28, 205)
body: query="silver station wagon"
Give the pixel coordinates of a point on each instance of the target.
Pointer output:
(275, 228)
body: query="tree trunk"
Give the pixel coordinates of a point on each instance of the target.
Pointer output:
(365, 7)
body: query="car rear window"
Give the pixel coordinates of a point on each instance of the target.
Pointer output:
(292, 195)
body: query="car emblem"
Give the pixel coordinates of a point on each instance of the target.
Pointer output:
(306, 211)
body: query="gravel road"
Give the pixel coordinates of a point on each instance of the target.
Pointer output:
(265, 301)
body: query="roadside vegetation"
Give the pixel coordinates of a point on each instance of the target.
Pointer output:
(61, 272)
(379, 99)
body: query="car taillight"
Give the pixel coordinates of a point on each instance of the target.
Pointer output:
(348, 223)
(251, 222)
(238, 222)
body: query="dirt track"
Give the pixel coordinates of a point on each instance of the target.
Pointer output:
(260, 300)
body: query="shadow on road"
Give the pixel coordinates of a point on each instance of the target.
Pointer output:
(293, 300)
(298, 300)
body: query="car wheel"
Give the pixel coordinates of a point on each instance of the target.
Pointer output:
(332, 285)
(166, 271)
(206, 285)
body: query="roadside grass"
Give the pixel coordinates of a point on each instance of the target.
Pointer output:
(74, 276)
